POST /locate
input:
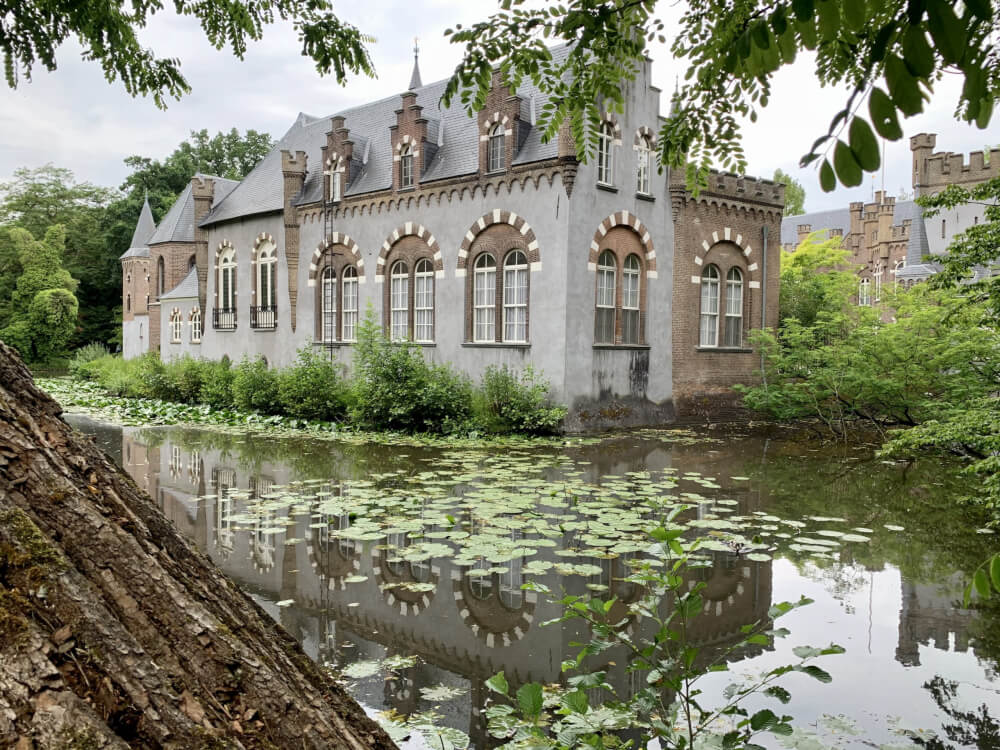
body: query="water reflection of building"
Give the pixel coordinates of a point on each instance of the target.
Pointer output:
(929, 615)
(464, 629)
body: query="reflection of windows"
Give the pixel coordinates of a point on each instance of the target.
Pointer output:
(175, 461)
(194, 467)
(396, 565)
(224, 480)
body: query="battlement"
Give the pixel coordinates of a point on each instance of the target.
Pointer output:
(726, 184)
(935, 171)
(294, 163)
(202, 187)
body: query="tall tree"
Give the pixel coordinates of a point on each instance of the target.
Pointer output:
(890, 54)
(795, 194)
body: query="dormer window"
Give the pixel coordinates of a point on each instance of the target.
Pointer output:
(495, 149)
(605, 158)
(336, 184)
(406, 167)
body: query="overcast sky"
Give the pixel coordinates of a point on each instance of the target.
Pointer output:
(76, 119)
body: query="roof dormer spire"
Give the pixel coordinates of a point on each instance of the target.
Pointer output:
(415, 78)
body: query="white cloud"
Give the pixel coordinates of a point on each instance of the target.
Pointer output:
(75, 118)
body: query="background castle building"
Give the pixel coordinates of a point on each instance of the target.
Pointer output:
(484, 245)
(889, 239)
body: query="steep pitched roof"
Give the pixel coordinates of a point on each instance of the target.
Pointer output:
(261, 190)
(178, 224)
(144, 228)
(186, 289)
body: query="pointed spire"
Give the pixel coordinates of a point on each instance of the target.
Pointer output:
(676, 98)
(415, 78)
(144, 229)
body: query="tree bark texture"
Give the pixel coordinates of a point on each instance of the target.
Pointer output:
(116, 632)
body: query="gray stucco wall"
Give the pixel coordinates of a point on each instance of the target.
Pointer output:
(956, 220)
(172, 350)
(135, 336)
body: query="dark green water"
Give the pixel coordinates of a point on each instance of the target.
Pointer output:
(403, 565)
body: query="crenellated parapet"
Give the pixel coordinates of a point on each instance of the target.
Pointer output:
(935, 171)
(729, 190)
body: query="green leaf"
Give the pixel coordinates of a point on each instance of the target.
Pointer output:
(815, 672)
(947, 31)
(576, 701)
(854, 14)
(848, 170)
(903, 87)
(980, 8)
(776, 691)
(985, 113)
(803, 9)
(827, 179)
(883, 114)
(917, 52)
(829, 19)
(498, 683)
(763, 719)
(995, 572)
(864, 145)
(529, 699)
(982, 583)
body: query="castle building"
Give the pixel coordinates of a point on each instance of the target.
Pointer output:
(481, 243)
(889, 239)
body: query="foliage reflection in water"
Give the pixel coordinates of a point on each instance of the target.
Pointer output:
(402, 567)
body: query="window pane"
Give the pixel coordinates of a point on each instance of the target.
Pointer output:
(630, 326)
(604, 325)
(709, 333)
(350, 302)
(515, 299)
(423, 293)
(484, 300)
(734, 331)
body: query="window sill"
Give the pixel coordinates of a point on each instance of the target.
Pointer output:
(258, 329)
(608, 188)
(645, 197)
(724, 350)
(408, 189)
(332, 344)
(625, 347)
(496, 345)
(495, 172)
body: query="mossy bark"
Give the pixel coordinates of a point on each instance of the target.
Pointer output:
(115, 631)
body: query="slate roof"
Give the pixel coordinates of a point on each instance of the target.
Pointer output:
(186, 289)
(144, 228)
(261, 190)
(178, 224)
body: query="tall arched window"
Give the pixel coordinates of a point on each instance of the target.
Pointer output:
(733, 335)
(865, 292)
(406, 167)
(192, 261)
(328, 305)
(399, 297)
(225, 312)
(642, 165)
(878, 283)
(264, 314)
(128, 303)
(709, 333)
(631, 277)
(515, 297)
(196, 326)
(175, 327)
(349, 300)
(484, 298)
(336, 187)
(495, 149)
(604, 319)
(605, 155)
(423, 301)
(161, 277)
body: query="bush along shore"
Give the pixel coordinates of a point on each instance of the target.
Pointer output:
(392, 388)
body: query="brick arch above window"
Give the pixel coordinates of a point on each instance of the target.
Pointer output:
(406, 140)
(408, 229)
(644, 133)
(624, 219)
(609, 118)
(493, 120)
(499, 216)
(336, 239)
(729, 235)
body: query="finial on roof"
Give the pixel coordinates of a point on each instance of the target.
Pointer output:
(676, 98)
(415, 78)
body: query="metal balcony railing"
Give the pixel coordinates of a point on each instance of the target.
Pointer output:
(263, 317)
(224, 318)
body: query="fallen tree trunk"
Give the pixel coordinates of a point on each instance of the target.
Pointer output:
(116, 632)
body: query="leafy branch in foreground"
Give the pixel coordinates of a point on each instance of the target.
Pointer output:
(656, 635)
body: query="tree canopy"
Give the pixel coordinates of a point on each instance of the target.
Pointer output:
(31, 32)
(795, 194)
(890, 54)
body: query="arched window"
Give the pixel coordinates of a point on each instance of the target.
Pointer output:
(406, 167)
(161, 277)
(495, 149)
(865, 292)
(605, 155)
(349, 300)
(733, 334)
(328, 305)
(604, 320)
(264, 314)
(484, 298)
(196, 326)
(878, 283)
(515, 297)
(709, 332)
(175, 327)
(399, 297)
(336, 187)
(642, 165)
(631, 276)
(225, 312)
(128, 303)
(192, 261)
(423, 301)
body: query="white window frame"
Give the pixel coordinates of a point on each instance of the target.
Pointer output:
(328, 305)
(267, 276)
(349, 303)
(423, 301)
(336, 182)
(495, 151)
(607, 283)
(605, 154)
(227, 267)
(484, 299)
(642, 165)
(515, 305)
(399, 301)
(406, 167)
(734, 308)
(631, 294)
(175, 327)
(878, 283)
(708, 330)
(196, 326)
(865, 293)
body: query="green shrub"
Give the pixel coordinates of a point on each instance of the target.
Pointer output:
(183, 378)
(255, 387)
(83, 355)
(312, 388)
(507, 402)
(217, 384)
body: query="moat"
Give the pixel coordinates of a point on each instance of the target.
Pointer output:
(402, 566)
